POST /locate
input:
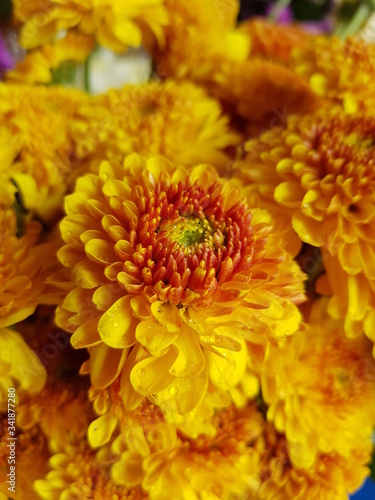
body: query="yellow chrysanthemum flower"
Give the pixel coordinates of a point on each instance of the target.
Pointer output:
(321, 372)
(214, 464)
(61, 411)
(31, 461)
(331, 477)
(20, 368)
(177, 120)
(38, 66)
(200, 38)
(39, 156)
(319, 171)
(341, 71)
(116, 25)
(24, 267)
(173, 278)
(80, 473)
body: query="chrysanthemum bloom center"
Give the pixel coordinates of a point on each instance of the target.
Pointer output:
(235, 429)
(344, 146)
(342, 373)
(186, 240)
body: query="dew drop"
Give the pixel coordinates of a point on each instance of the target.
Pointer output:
(173, 391)
(141, 372)
(115, 324)
(160, 309)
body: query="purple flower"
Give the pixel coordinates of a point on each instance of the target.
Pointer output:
(285, 16)
(6, 59)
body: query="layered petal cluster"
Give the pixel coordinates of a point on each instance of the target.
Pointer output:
(212, 458)
(61, 411)
(341, 71)
(217, 450)
(173, 278)
(37, 144)
(319, 171)
(204, 44)
(80, 473)
(320, 372)
(332, 476)
(176, 119)
(24, 269)
(115, 25)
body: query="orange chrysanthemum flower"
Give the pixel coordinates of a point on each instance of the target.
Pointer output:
(173, 278)
(272, 40)
(80, 473)
(332, 476)
(321, 372)
(319, 171)
(341, 71)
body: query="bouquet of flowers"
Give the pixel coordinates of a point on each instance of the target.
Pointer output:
(187, 263)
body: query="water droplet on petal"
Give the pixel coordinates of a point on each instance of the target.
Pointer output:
(115, 324)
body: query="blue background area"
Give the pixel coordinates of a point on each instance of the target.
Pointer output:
(367, 492)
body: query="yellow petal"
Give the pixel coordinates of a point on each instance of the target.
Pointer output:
(190, 360)
(184, 394)
(86, 335)
(152, 374)
(106, 364)
(154, 337)
(117, 326)
(101, 430)
(129, 395)
(128, 470)
(167, 315)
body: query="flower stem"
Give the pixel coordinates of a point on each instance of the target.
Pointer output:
(86, 74)
(361, 15)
